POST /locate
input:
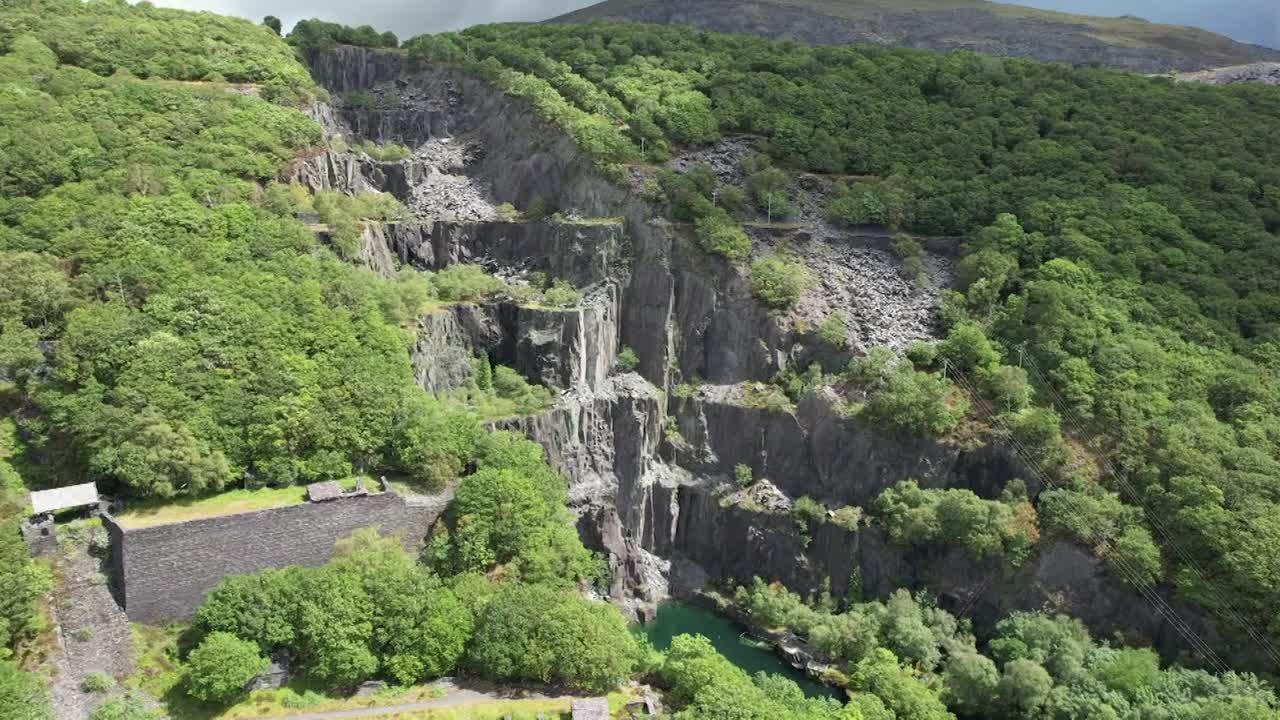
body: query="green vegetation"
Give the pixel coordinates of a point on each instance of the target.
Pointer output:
(202, 335)
(220, 668)
(779, 281)
(1006, 527)
(628, 360)
(704, 684)
(139, 515)
(834, 330)
(911, 253)
(319, 35)
(127, 707)
(553, 636)
(1136, 265)
(903, 399)
(375, 612)
(466, 283)
(23, 583)
(880, 203)
(914, 659)
(510, 512)
(743, 475)
(97, 682)
(719, 234)
(499, 392)
(145, 41)
(345, 216)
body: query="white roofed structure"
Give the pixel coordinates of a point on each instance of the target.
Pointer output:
(47, 501)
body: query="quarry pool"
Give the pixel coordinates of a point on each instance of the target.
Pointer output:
(678, 618)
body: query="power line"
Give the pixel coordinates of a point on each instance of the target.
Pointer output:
(1153, 519)
(1117, 560)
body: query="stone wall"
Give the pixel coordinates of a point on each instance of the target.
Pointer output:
(165, 571)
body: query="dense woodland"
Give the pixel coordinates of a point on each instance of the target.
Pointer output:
(168, 328)
(1122, 251)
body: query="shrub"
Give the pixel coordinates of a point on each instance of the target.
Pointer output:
(562, 295)
(923, 354)
(769, 190)
(968, 348)
(1005, 527)
(537, 209)
(809, 512)
(1007, 387)
(1134, 557)
(765, 396)
(911, 253)
(511, 385)
(97, 682)
(125, 708)
(847, 517)
(220, 668)
(743, 475)
(719, 234)
(506, 212)
(834, 330)
(627, 359)
(778, 281)
(465, 283)
(915, 403)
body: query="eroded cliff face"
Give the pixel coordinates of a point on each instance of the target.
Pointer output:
(650, 470)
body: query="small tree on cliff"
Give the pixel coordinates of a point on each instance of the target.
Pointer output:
(272, 22)
(484, 372)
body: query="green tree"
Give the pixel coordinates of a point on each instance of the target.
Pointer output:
(220, 668)
(834, 330)
(336, 631)
(484, 373)
(880, 674)
(779, 281)
(1024, 688)
(273, 22)
(719, 234)
(548, 635)
(970, 683)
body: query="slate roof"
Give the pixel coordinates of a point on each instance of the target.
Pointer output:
(591, 709)
(46, 501)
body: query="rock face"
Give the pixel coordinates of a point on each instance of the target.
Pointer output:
(1128, 43)
(1265, 73)
(650, 469)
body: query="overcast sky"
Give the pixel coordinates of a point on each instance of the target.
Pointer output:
(1255, 21)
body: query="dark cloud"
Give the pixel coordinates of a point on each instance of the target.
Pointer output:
(1256, 21)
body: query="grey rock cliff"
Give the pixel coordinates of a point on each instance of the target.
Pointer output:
(646, 469)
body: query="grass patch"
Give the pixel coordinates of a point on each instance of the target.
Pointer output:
(150, 514)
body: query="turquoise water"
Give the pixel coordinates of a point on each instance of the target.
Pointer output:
(677, 618)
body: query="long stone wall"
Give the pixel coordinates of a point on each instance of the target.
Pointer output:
(165, 571)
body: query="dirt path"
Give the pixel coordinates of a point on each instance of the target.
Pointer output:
(93, 631)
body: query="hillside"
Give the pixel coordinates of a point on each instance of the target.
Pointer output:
(986, 27)
(960, 376)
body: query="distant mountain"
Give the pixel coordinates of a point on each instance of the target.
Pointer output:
(993, 28)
